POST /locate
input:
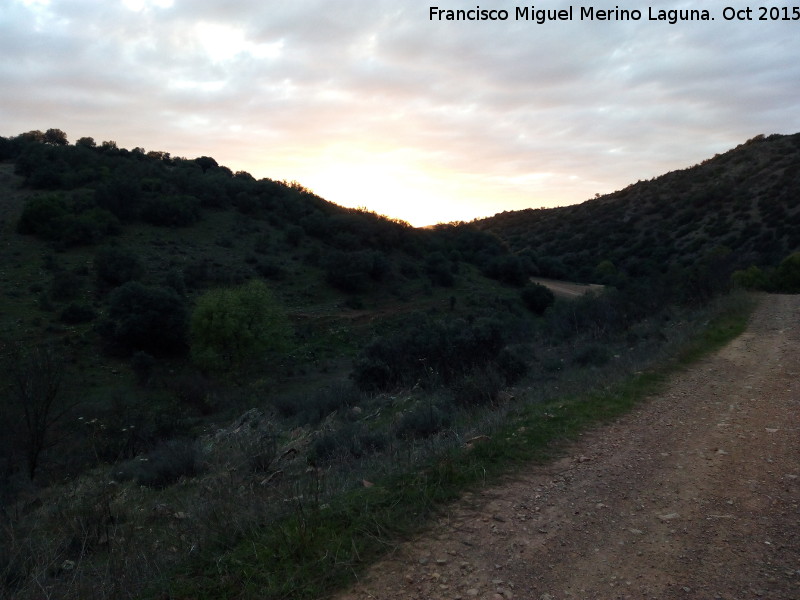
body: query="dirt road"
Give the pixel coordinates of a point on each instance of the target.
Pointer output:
(694, 495)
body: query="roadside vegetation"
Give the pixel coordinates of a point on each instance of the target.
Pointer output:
(218, 386)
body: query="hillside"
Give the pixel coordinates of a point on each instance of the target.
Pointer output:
(203, 372)
(746, 200)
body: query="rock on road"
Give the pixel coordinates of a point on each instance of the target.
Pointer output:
(694, 494)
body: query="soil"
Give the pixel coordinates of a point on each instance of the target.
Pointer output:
(694, 494)
(567, 289)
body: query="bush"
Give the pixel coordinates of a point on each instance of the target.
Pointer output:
(75, 314)
(507, 269)
(171, 211)
(230, 327)
(592, 355)
(352, 441)
(164, 465)
(537, 298)
(787, 275)
(143, 366)
(65, 285)
(42, 217)
(479, 387)
(751, 278)
(354, 271)
(428, 351)
(115, 266)
(424, 420)
(313, 408)
(148, 318)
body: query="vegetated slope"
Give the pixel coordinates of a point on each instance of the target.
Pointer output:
(191, 225)
(692, 495)
(746, 200)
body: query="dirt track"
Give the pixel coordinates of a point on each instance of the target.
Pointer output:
(693, 495)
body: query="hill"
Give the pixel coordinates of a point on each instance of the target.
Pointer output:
(746, 201)
(217, 386)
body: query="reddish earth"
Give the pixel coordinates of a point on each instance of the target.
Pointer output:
(694, 495)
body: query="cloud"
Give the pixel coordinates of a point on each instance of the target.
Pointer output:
(537, 113)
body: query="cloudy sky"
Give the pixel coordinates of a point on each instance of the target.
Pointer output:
(371, 103)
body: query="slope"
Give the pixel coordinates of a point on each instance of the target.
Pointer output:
(746, 200)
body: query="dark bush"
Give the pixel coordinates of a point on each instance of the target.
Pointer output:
(351, 441)
(269, 269)
(428, 351)
(314, 407)
(76, 313)
(425, 419)
(121, 196)
(354, 271)
(507, 269)
(592, 355)
(787, 276)
(148, 318)
(65, 285)
(479, 387)
(439, 270)
(165, 465)
(115, 266)
(42, 216)
(537, 298)
(143, 366)
(171, 211)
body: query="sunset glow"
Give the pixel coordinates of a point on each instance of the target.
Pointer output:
(378, 105)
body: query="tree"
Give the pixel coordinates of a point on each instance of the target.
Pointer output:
(231, 327)
(55, 137)
(148, 318)
(86, 142)
(36, 376)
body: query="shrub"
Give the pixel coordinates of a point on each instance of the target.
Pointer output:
(787, 275)
(230, 327)
(76, 313)
(164, 465)
(65, 285)
(428, 350)
(592, 355)
(537, 298)
(354, 271)
(313, 408)
(42, 216)
(425, 419)
(148, 318)
(171, 211)
(507, 269)
(143, 365)
(479, 387)
(115, 266)
(351, 441)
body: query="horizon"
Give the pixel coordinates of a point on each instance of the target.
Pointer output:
(383, 107)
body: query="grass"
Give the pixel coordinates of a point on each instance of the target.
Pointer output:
(322, 543)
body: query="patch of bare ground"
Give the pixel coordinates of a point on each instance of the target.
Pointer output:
(692, 495)
(567, 289)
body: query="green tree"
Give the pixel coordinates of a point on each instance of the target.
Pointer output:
(231, 327)
(787, 275)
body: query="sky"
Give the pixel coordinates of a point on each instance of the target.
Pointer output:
(371, 103)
